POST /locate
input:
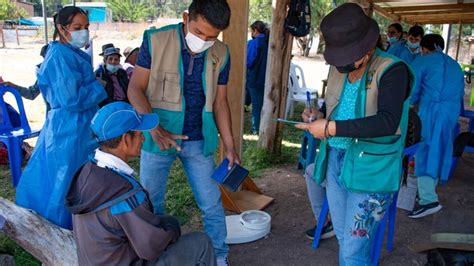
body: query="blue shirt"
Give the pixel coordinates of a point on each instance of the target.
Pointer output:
(345, 111)
(194, 97)
(252, 50)
(402, 51)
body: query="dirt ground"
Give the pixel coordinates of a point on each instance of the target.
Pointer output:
(292, 215)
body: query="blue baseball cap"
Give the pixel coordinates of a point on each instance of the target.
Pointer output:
(117, 118)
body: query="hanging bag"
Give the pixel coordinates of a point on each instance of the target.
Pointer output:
(298, 20)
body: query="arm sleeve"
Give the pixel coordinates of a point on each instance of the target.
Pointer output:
(393, 89)
(74, 92)
(252, 51)
(224, 74)
(144, 232)
(144, 57)
(418, 69)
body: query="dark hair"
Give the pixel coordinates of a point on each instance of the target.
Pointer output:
(430, 40)
(397, 27)
(216, 12)
(64, 17)
(114, 143)
(261, 27)
(416, 31)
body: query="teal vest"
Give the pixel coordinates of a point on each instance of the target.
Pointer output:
(166, 84)
(370, 164)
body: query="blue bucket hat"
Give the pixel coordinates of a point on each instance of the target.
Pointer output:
(117, 118)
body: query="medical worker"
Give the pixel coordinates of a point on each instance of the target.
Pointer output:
(69, 86)
(409, 49)
(438, 92)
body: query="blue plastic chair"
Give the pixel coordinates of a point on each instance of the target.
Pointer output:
(13, 137)
(376, 248)
(308, 150)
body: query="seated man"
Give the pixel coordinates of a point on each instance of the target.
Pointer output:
(114, 78)
(113, 218)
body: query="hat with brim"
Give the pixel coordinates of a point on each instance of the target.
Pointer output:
(128, 52)
(118, 118)
(451, 230)
(349, 34)
(111, 51)
(105, 46)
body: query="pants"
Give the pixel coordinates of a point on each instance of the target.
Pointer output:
(190, 249)
(316, 192)
(154, 172)
(427, 189)
(256, 95)
(355, 216)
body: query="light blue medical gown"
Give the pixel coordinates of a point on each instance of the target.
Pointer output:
(68, 84)
(439, 91)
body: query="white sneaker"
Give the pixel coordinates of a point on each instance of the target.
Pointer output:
(222, 261)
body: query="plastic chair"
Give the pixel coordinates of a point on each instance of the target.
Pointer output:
(308, 150)
(13, 137)
(389, 220)
(297, 89)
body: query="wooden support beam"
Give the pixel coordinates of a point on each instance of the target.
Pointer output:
(236, 37)
(427, 8)
(49, 243)
(386, 14)
(439, 19)
(276, 80)
(459, 41)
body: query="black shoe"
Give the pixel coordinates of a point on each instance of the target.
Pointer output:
(328, 231)
(425, 210)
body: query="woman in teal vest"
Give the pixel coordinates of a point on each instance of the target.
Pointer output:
(363, 132)
(438, 92)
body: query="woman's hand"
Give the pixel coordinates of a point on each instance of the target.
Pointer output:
(318, 127)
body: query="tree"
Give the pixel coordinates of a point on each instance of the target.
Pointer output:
(260, 10)
(8, 10)
(177, 7)
(129, 10)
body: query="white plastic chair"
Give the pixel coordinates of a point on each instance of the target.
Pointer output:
(297, 89)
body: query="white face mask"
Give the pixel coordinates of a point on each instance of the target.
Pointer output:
(79, 38)
(196, 44)
(112, 68)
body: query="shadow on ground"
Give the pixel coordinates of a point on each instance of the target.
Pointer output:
(291, 216)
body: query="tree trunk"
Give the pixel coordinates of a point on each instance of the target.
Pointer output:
(321, 44)
(367, 5)
(276, 81)
(49, 243)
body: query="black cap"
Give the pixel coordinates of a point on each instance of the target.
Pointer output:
(349, 34)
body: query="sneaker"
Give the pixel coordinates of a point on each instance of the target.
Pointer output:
(425, 210)
(222, 261)
(328, 231)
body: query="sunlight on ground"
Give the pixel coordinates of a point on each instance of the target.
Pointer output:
(284, 142)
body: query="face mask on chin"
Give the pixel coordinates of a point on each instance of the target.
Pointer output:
(392, 40)
(413, 45)
(79, 38)
(112, 68)
(196, 44)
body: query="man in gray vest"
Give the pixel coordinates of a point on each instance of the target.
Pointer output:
(181, 74)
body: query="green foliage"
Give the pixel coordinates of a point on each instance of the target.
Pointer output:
(129, 10)
(8, 10)
(260, 10)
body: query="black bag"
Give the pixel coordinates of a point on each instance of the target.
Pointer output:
(298, 20)
(414, 129)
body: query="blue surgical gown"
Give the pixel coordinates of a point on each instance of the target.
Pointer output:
(400, 50)
(69, 86)
(438, 91)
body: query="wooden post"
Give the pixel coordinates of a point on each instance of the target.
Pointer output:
(236, 38)
(1, 33)
(49, 243)
(459, 41)
(367, 5)
(276, 80)
(45, 21)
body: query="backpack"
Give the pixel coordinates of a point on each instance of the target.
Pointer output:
(298, 20)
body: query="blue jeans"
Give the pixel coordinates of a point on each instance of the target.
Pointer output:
(256, 96)
(154, 170)
(316, 192)
(355, 216)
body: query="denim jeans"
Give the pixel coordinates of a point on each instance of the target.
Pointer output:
(316, 192)
(256, 96)
(154, 170)
(355, 216)
(427, 189)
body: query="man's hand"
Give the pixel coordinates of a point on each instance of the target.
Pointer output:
(317, 128)
(310, 115)
(233, 157)
(165, 139)
(103, 82)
